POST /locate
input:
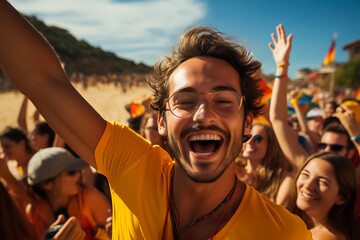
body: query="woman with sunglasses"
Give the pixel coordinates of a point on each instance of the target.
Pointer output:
(325, 196)
(54, 178)
(264, 166)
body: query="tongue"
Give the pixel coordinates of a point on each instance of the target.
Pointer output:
(203, 146)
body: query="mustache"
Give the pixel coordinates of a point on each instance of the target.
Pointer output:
(197, 127)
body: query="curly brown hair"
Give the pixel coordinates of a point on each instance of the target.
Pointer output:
(207, 42)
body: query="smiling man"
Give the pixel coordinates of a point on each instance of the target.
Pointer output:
(206, 99)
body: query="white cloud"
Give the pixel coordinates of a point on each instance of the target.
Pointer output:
(127, 28)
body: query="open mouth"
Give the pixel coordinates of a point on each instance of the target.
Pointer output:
(307, 196)
(205, 144)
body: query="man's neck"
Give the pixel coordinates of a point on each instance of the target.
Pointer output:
(194, 200)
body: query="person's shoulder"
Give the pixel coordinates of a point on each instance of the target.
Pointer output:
(90, 192)
(39, 209)
(273, 211)
(325, 234)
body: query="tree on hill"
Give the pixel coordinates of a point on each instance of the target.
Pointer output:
(348, 75)
(80, 56)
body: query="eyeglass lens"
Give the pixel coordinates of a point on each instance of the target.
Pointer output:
(333, 147)
(257, 139)
(224, 103)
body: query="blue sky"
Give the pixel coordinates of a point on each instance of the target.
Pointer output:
(144, 30)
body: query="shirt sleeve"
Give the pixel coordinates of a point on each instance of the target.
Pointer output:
(119, 149)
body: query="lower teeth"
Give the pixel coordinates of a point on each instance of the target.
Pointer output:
(204, 154)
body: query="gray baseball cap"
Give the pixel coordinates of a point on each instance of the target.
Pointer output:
(50, 162)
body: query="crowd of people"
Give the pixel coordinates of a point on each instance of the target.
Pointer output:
(203, 162)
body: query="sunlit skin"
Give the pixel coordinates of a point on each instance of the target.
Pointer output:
(315, 125)
(12, 149)
(335, 138)
(202, 75)
(151, 132)
(38, 141)
(317, 190)
(329, 109)
(16, 155)
(62, 188)
(255, 151)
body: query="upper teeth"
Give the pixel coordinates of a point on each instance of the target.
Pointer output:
(205, 137)
(307, 196)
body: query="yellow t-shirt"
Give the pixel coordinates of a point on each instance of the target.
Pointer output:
(139, 177)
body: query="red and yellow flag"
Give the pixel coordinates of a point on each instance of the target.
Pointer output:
(330, 56)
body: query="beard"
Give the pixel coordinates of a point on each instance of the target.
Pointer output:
(182, 157)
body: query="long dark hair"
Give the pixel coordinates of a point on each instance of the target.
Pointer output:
(43, 128)
(17, 135)
(341, 217)
(272, 167)
(13, 224)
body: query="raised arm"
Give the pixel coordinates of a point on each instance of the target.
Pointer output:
(22, 116)
(33, 67)
(347, 119)
(301, 118)
(288, 139)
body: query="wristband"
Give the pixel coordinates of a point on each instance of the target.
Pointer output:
(283, 64)
(356, 138)
(281, 76)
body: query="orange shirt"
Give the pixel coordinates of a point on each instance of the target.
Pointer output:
(139, 177)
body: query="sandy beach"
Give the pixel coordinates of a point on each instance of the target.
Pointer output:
(108, 100)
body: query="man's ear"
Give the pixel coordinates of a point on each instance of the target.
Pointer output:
(161, 125)
(350, 153)
(248, 124)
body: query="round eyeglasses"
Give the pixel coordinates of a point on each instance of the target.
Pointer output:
(224, 103)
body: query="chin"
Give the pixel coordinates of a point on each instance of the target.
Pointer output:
(203, 172)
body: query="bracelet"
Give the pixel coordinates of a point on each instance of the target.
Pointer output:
(281, 76)
(283, 64)
(356, 138)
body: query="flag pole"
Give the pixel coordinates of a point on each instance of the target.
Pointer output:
(332, 80)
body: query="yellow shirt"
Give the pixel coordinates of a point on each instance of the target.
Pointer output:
(139, 177)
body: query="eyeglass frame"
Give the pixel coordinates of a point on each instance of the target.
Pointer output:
(242, 101)
(325, 145)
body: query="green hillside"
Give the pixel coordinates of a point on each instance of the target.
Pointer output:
(80, 56)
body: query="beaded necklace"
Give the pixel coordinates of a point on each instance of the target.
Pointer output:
(174, 219)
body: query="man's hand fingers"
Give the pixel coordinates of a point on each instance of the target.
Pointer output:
(274, 38)
(59, 220)
(65, 230)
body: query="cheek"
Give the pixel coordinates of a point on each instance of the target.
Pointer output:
(298, 184)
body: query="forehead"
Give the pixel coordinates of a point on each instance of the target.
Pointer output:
(204, 74)
(257, 129)
(320, 167)
(334, 138)
(5, 140)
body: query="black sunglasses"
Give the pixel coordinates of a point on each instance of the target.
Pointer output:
(333, 147)
(257, 139)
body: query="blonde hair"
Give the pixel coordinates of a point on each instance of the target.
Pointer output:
(271, 170)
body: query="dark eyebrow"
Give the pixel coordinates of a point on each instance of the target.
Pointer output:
(214, 89)
(320, 177)
(222, 88)
(187, 89)
(327, 179)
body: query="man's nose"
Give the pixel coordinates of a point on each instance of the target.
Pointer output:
(327, 149)
(204, 113)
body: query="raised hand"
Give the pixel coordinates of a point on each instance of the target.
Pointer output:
(281, 46)
(347, 119)
(70, 229)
